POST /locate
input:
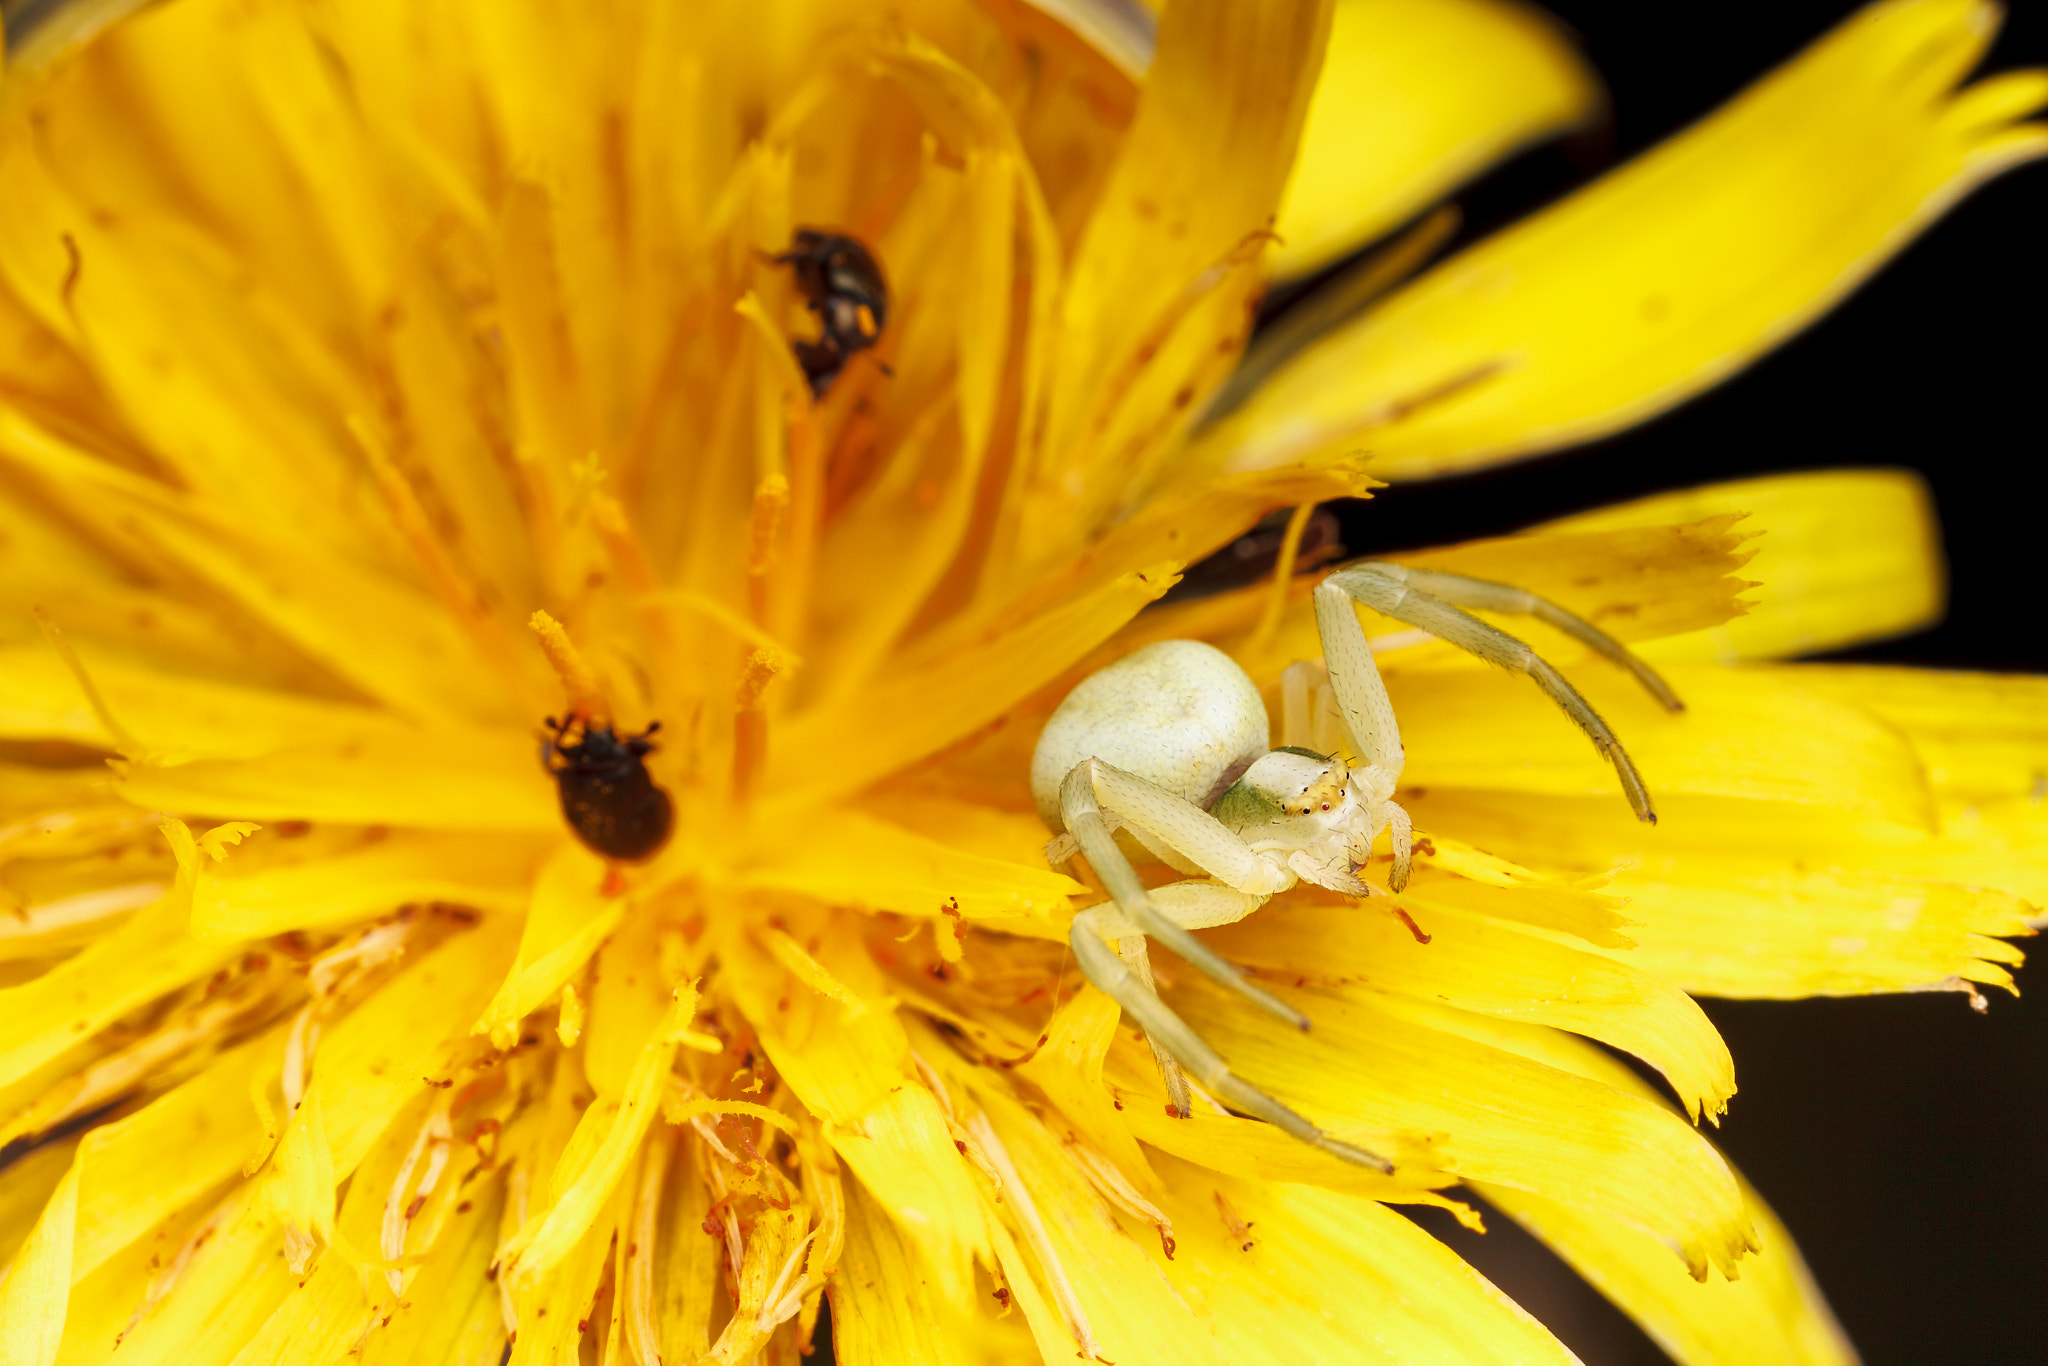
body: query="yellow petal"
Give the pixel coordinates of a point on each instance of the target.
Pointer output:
(1068, 1067)
(858, 1078)
(855, 861)
(1983, 737)
(1128, 1301)
(439, 779)
(1415, 96)
(1494, 970)
(152, 954)
(1774, 1312)
(1377, 1064)
(142, 1168)
(38, 1283)
(883, 1311)
(1637, 581)
(568, 918)
(1736, 898)
(1743, 734)
(26, 1186)
(607, 1138)
(1199, 174)
(1334, 1278)
(930, 703)
(485, 872)
(625, 1004)
(316, 601)
(1669, 274)
(1839, 556)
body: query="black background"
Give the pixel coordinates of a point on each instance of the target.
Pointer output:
(1900, 1138)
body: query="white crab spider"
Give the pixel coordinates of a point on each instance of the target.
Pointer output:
(1170, 743)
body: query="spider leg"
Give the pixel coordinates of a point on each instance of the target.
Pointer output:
(1391, 591)
(1169, 1032)
(1462, 591)
(1193, 832)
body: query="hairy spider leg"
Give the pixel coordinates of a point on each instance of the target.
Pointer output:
(1393, 590)
(1093, 791)
(1107, 971)
(1361, 705)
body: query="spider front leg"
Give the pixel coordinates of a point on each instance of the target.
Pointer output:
(1107, 971)
(1428, 599)
(1093, 795)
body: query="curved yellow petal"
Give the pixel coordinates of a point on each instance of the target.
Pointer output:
(1838, 556)
(1668, 275)
(1154, 307)
(1379, 1064)
(1333, 1278)
(1771, 899)
(858, 1077)
(1495, 970)
(1743, 734)
(1773, 1313)
(856, 862)
(1415, 97)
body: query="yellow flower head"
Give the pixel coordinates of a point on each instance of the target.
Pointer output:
(539, 542)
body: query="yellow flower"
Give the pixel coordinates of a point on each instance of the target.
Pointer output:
(377, 379)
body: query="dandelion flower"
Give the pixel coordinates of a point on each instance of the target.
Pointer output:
(378, 379)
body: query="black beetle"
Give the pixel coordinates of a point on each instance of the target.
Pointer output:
(608, 797)
(842, 284)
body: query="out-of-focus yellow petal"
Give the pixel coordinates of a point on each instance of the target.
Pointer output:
(1068, 1068)
(1155, 302)
(441, 779)
(1840, 556)
(143, 1168)
(313, 599)
(1334, 1278)
(38, 1283)
(857, 1076)
(853, 860)
(26, 1186)
(883, 1310)
(1749, 735)
(1415, 96)
(567, 919)
(1379, 1064)
(1736, 898)
(1774, 1312)
(931, 702)
(1668, 275)
(154, 953)
(486, 872)
(1495, 970)
(1132, 1307)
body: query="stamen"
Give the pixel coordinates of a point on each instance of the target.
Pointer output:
(1111, 1184)
(569, 1023)
(1283, 580)
(124, 740)
(586, 699)
(750, 722)
(1020, 1200)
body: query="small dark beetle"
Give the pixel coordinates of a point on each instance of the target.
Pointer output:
(843, 285)
(607, 796)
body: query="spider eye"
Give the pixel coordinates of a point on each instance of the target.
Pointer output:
(1326, 806)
